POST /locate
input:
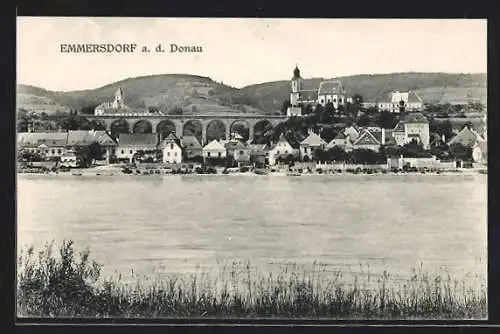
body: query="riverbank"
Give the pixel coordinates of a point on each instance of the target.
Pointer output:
(52, 285)
(111, 170)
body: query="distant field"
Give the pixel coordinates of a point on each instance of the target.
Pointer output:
(39, 104)
(170, 91)
(453, 95)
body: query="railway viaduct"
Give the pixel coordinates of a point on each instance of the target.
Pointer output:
(179, 122)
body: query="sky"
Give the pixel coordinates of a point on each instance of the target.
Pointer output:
(240, 52)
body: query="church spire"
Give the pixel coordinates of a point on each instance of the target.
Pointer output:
(296, 72)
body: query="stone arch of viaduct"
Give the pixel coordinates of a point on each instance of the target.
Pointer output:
(180, 122)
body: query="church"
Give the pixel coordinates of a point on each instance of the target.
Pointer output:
(330, 91)
(114, 105)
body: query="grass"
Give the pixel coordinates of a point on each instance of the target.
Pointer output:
(66, 284)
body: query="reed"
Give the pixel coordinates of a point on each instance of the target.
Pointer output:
(66, 284)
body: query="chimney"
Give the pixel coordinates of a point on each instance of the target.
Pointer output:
(383, 136)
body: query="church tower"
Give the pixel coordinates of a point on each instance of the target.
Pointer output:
(296, 87)
(118, 102)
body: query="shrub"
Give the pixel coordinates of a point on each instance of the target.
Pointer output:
(70, 285)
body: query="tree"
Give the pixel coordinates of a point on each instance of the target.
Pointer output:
(153, 110)
(307, 109)
(363, 120)
(460, 152)
(414, 149)
(352, 111)
(441, 128)
(365, 156)
(176, 111)
(83, 154)
(285, 106)
(387, 119)
(96, 151)
(337, 153)
(401, 106)
(357, 99)
(28, 156)
(341, 109)
(373, 110)
(329, 108)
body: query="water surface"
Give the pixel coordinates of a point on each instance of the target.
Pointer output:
(174, 223)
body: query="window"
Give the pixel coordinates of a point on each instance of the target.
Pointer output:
(208, 154)
(59, 151)
(340, 100)
(175, 154)
(46, 151)
(131, 152)
(241, 152)
(123, 152)
(171, 146)
(168, 154)
(334, 100)
(286, 152)
(277, 152)
(329, 101)
(113, 151)
(53, 151)
(219, 154)
(322, 101)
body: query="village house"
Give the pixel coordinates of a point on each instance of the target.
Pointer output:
(341, 140)
(392, 102)
(370, 140)
(191, 147)
(238, 151)
(312, 143)
(259, 154)
(413, 127)
(47, 144)
(467, 137)
(214, 149)
(131, 143)
(281, 149)
(171, 149)
(69, 159)
(480, 152)
(352, 132)
(80, 138)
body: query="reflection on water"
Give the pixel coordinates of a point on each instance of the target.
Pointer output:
(178, 222)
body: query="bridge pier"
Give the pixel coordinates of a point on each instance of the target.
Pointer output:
(228, 131)
(204, 134)
(179, 128)
(251, 133)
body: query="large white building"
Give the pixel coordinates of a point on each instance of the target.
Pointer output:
(302, 93)
(394, 100)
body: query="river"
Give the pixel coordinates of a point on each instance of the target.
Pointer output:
(174, 224)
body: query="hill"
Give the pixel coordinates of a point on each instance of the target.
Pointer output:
(166, 92)
(197, 94)
(431, 87)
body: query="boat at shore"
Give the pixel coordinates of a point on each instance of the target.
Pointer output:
(261, 172)
(76, 174)
(293, 174)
